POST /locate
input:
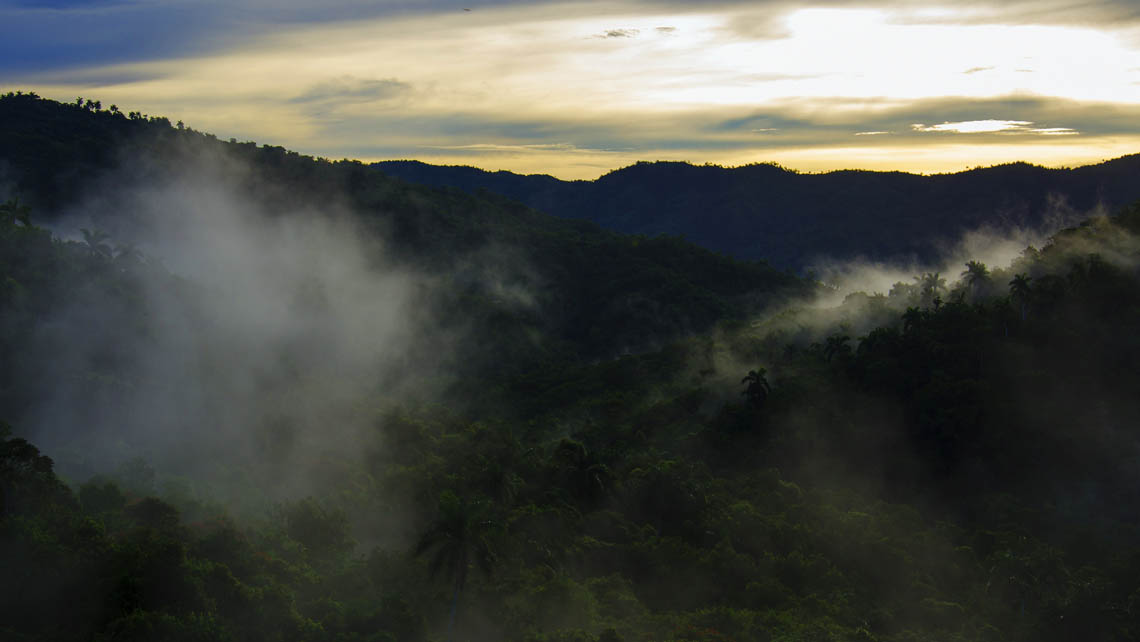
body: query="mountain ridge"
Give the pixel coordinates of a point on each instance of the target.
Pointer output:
(75, 159)
(764, 211)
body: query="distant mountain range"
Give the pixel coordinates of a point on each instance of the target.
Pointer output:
(765, 212)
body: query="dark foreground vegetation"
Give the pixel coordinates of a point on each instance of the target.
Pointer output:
(950, 461)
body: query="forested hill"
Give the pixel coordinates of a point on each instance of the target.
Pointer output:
(319, 403)
(789, 218)
(966, 472)
(588, 292)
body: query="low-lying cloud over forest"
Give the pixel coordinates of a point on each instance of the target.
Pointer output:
(232, 337)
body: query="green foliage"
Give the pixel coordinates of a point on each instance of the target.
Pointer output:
(961, 470)
(98, 497)
(325, 533)
(757, 389)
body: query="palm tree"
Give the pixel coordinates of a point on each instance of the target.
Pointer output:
(128, 253)
(459, 537)
(502, 463)
(758, 389)
(583, 474)
(1019, 290)
(96, 243)
(931, 285)
(912, 319)
(837, 346)
(12, 212)
(907, 292)
(976, 275)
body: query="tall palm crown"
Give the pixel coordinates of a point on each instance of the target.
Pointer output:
(1019, 286)
(12, 212)
(758, 389)
(96, 242)
(976, 273)
(1019, 290)
(837, 345)
(582, 473)
(931, 286)
(460, 536)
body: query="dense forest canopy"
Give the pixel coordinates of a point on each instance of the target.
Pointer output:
(250, 395)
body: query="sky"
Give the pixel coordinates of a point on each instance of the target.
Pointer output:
(576, 89)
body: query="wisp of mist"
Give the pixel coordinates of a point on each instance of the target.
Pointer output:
(266, 334)
(995, 245)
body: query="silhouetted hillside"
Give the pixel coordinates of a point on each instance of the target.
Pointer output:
(767, 212)
(588, 291)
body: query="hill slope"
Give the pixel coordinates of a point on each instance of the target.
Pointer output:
(589, 292)
(965, 470)
(937, 481)
(790, 219)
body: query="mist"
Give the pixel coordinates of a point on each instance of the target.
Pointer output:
(856, 296)
(816, 339)
(996, 244)
(256, 340)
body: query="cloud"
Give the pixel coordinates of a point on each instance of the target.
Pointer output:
(620, 33)
(974, 126)
(482, 147)
(1101, 13)
(776, 76)
(760, 23)
(1054, 131)
(385, 79)
(768, 19)
(803, 133)
(61, 34)
(765, 16)
(69, 35)
(1087, 117)
(57, 34)
(351, 89)
(101, 76)
(996, 243)
(275, 320)
(990, 126)
(411, 136)
(1026, 114)
(768, 119)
